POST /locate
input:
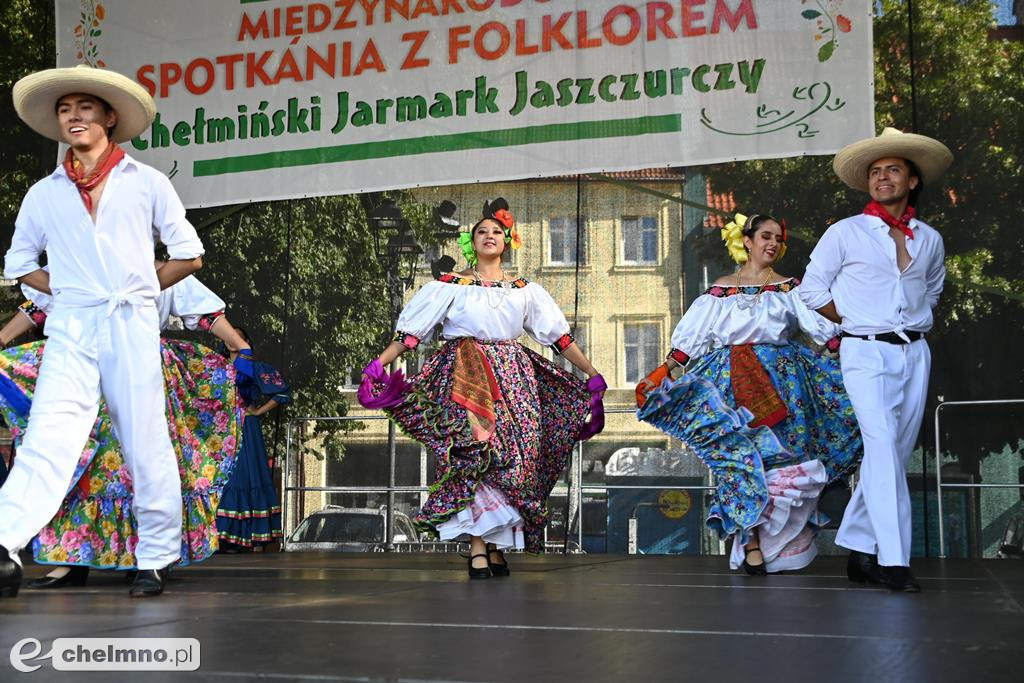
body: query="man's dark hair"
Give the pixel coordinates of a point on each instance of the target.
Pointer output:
(913, 170)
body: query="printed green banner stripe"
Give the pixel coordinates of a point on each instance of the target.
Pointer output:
(555, 132)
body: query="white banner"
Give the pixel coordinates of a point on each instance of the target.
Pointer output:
(273, 99)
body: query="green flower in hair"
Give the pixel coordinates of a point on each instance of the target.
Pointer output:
(466, 245)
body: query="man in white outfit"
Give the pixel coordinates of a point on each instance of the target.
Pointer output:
(96, 217)
(879, 275)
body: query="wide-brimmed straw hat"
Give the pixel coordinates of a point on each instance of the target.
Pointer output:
(36, 95)
(931, 157)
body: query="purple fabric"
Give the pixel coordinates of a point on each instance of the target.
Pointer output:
(595, 385)
(395, 387)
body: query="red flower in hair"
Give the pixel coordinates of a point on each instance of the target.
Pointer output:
(504, 216)
(782, 222)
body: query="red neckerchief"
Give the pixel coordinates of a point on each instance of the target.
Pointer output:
(107, 161)
(902, 223)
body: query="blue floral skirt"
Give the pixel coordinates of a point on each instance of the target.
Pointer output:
(700, 410)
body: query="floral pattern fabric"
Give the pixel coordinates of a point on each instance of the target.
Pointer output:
(95, 526)
(538, 416)
(700, 409)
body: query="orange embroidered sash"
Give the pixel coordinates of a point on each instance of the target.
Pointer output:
(475, 388)
(753, 388)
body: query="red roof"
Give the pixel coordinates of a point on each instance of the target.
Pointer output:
(725, 201)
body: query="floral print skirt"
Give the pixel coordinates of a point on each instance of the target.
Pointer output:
(95, 526)
(699, 409)
(538, 416)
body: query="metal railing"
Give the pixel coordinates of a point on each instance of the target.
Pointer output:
(574, 490)
(939, 485)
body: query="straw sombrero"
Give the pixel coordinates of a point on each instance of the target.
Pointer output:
(930, 156)
(36, 95)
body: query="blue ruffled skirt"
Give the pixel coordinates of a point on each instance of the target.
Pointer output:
(700, 410)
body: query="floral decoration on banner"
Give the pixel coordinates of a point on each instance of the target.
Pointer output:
(827, 12)
(88, 30)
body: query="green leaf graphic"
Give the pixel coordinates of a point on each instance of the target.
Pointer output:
(810, 14)
(826, 51)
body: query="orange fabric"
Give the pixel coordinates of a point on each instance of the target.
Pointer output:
(655, 378)
(753, 388)
(475, 388)
(107, 161)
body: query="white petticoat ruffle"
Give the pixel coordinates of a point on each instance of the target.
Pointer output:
(785, 535)
(490, 516)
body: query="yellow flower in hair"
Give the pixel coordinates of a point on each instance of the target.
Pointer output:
(732, 235)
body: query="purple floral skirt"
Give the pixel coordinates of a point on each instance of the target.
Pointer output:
(538, 416)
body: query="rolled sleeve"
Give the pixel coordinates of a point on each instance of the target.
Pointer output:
(169, 222)
(826, 260)
(936, 277)
(28, 243)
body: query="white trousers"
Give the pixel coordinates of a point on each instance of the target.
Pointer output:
(113, 351)
(887, 384)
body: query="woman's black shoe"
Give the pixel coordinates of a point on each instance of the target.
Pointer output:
(482, 573)
(754, 569)
(76, 576)
(498, 569)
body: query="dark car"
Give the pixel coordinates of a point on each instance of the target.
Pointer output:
(356, 530)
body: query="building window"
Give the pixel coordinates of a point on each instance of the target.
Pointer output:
(562, 242)
(643, 349)
(640, 239)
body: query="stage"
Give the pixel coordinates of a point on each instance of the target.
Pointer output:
(399, 617)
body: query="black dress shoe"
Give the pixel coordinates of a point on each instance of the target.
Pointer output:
(498, 568)
(863, 568)
(900, 579)
(76, 576)
(10, 575)
(482, 572)
(148, 583)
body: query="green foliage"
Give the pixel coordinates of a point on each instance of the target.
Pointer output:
(301, 278)
(26, 45)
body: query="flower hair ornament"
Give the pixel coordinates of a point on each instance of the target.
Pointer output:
(736, 229)
(496, 210)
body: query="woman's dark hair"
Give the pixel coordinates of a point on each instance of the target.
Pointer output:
(754, 222)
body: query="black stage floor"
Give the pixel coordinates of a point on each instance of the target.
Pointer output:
(344, 617)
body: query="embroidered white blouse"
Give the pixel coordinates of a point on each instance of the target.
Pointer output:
(481, 309)
(728, 316)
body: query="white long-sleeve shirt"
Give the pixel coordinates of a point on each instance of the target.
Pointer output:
(111, 260)
(854, 265)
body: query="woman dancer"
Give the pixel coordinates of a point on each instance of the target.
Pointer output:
(249, 515)
(765, 412)
(500, 419)
(95, 526)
